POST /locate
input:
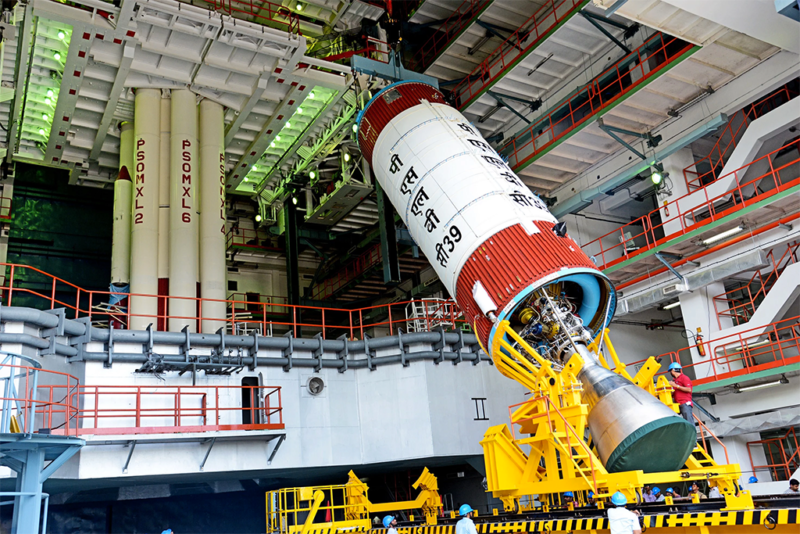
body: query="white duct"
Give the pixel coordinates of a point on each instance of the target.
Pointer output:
(163, 193)
(144, 227)
(183, 212)
(213, 271)
(121, 236)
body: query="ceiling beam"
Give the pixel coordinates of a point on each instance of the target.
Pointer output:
(128, 51)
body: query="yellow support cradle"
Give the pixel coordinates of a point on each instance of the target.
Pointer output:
(552, 425)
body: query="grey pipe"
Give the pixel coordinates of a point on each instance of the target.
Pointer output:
(37, 343)
(298, 362)
(13, 314)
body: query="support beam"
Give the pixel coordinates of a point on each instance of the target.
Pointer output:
(291, 241)
(662, 257)
(389, 256)
(592, 19)
(128, 52)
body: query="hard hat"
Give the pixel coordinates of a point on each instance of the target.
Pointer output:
(568, 494)
(168, 531)
(591, 495)
(656, 489)
(388, 520)
(674, 365)
(464, 509)
(752, 480)
(619, 499)
(669, 490)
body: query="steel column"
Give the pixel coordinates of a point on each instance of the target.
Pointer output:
(389, 256)
(28, 507)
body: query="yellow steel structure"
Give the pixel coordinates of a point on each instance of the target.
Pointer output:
(344, 508)
(553, 424)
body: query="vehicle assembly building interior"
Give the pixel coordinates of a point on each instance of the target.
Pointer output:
(401, 266)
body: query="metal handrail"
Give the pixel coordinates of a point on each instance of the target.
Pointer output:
(625, 76)
(788, 465)
(700, 215)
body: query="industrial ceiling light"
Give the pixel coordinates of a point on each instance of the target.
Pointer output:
(313, 175)
(50, 93)
(45, 117)
(258, 217)
(61, 35)
(355, 127)
(272, 144)
(723, 235)
(277, 137)
(347, 156)
(299, 110)
(673, 305)
(656, 177)
(57, 56)
(288, 124)
(299, 6)
(41, 131)
(48, 101)
(783, 380)
(246, 179)
(294, 200)
(311, 94)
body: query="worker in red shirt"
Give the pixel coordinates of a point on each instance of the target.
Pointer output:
(682, 394)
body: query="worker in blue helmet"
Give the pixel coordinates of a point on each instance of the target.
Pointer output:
(390, 523)
(681, 391)
(620, 519)
(568, 497)
(590, 500)
(657, 494)
(465, 525)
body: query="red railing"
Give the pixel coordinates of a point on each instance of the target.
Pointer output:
(780, 465)
(266, 11)
(250, 238)
(752, 351)
(740, 304)
(533, 31)
(624, 77)
(348, 273)
(36, 407)
(730, 136)
(105, 410)
(611, 247)
(443, 35)
(52, 292)
(374, 49)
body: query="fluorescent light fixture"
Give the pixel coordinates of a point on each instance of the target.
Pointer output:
(723, 235)
(656, 177)
(258, 217)
(673, 305)
(783, 380)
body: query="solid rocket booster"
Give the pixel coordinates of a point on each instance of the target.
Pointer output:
(491, 241)
(497, 249)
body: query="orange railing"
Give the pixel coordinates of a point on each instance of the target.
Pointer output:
(740, 304)
(628, 74)
(758, 349)
(444, 34)
(374, 49)
(107, 410)
(531, 33)
(250, 238)
(350, 272)
(705, 430)
(730, 136)
(648, 232)
(780, 465)
(260, 9)
(29, 286)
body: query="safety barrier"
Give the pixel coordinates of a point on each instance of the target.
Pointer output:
(704, 442)
(740, 304)
(780, 465)
(250, 238)
(610, 249)
(354, 269)
(623, 78)
(730, 135)
(445, 34)
(262, 10)
(752, 351)
(510, 52)
(108, 410)
(44, 291)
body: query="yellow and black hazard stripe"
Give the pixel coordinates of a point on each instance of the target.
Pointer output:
(693, 519)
